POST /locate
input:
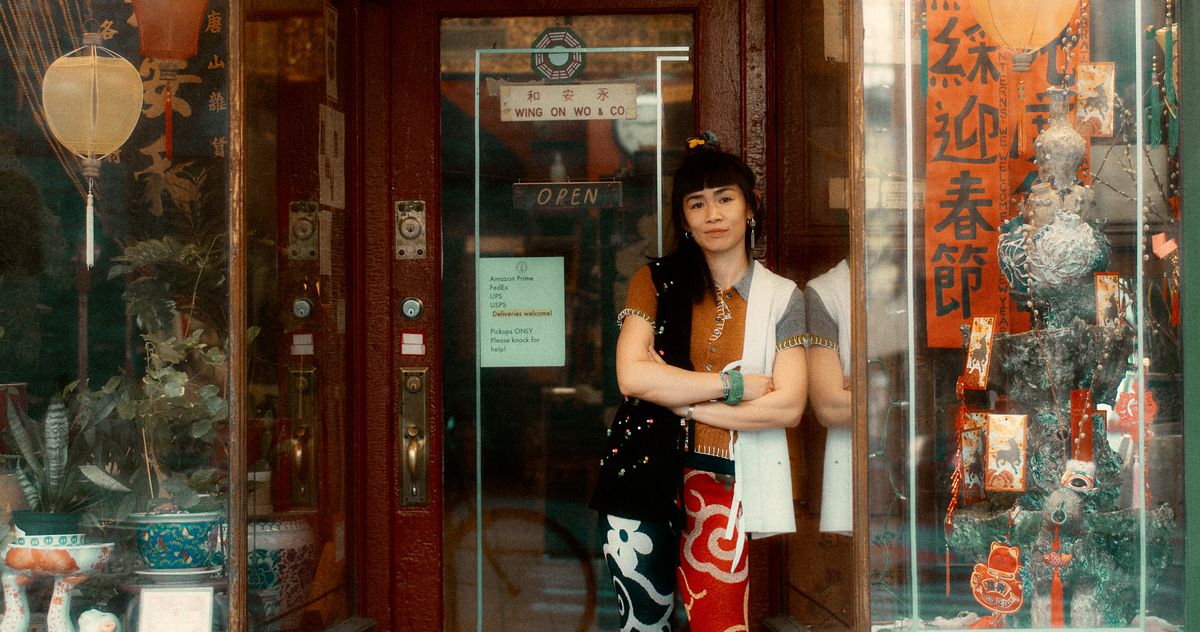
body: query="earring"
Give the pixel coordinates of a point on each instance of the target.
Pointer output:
(752, 224)
(687, 235)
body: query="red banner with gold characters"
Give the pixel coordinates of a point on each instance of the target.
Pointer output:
(981, 119)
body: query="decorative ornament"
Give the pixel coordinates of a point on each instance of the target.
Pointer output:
(1064, 252)
(92, 99)
(1057, 560)
(170, 34)
(558, 64)
(973, 451)
(1167, 38)
(1110, 310)
(1006, 450)
(1080, 471)
(979, 353)
(1023, 26)
(997, 584)
(1127, 409)
(1049, 248)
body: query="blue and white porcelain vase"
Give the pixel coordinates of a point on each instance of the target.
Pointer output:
(282, 562)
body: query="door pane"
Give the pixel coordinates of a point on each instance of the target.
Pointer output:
(551, 198)
(296, 299)
(1026, 468)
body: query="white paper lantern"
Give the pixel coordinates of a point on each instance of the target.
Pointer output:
(92, 99)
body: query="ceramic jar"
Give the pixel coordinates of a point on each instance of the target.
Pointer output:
(282, 562)
(179, 540)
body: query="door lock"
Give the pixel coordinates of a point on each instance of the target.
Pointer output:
(303, 231)
(413, 427)
(411, 308)
(302, 308)
(410, 235)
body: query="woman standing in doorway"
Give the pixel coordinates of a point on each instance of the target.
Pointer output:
(714, 349)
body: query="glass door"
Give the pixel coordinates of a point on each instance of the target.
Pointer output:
(556, 133)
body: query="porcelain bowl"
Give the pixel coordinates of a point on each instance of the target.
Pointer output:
(179, 540)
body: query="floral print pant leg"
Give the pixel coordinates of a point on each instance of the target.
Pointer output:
(714, 590)
(641, 557)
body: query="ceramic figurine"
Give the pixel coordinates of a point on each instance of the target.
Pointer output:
(16, 605)
(99, 621)
(58, 616)
(68, 565)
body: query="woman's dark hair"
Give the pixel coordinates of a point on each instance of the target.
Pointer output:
(707, 166)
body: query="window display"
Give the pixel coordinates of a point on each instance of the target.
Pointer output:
(1023, 214)
(119, 310)
(115, 313)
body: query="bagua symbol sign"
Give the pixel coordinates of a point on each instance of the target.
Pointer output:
(561, 65)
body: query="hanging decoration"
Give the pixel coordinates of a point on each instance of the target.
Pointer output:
(170, 35)
(1056, 560)
(1080, 471)
(997, 584)
(1167, 38)
(1006, 450)
(1023, 26)
(91, 99)
(980, 122)
(558, 64)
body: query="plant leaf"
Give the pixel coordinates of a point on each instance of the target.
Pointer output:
(201, 428)
(102, 478)
(19, 428)
(57, 428)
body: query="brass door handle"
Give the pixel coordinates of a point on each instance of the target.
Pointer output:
(414, 449)
(412, 430)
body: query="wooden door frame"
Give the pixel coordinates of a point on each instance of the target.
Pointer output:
(394, 157)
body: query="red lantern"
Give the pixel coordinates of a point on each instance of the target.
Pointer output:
(170, 33)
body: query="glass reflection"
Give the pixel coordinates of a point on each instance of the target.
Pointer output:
(527, 455)
(1023, 485)
(114, 404)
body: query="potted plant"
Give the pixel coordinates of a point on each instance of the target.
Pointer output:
(177, 292)
(61, 473)
(176, 409)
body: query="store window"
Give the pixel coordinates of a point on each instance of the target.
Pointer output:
(114, 311)
(1023, 315)
(119, 312)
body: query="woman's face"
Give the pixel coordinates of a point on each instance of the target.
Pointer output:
(716, 218)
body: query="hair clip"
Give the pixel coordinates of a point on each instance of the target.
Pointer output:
(707, 137)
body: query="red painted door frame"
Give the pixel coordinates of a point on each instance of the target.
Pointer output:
(396, 147)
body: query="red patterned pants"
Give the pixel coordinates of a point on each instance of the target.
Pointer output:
(714, 590)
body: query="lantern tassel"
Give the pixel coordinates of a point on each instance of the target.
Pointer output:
(1057, 619)
(90, 225)
(167, 113)
(1172, 103)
